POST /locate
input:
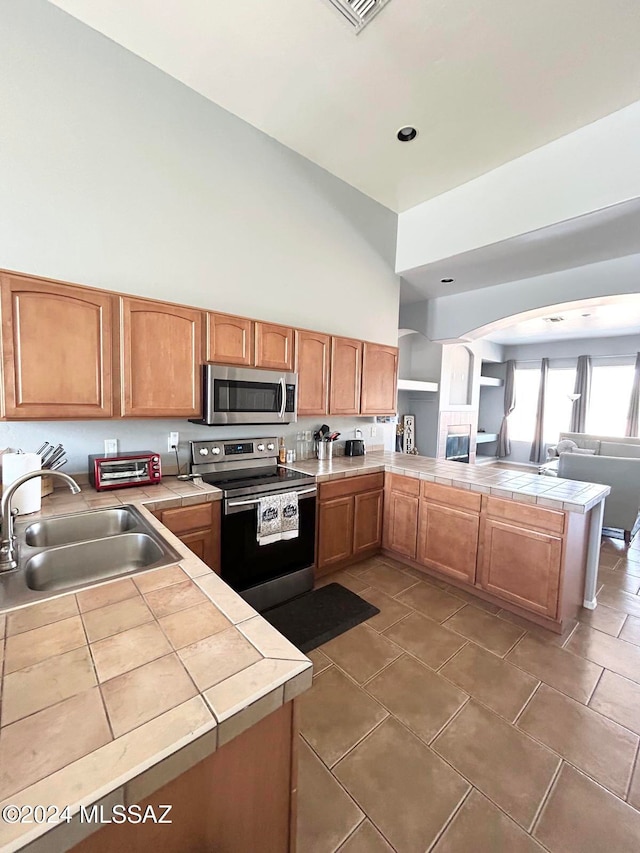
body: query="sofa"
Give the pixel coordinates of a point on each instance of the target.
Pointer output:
(611, 461)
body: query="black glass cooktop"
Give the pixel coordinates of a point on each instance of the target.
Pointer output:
(252, 477)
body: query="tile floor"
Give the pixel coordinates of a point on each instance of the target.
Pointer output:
(445, 724)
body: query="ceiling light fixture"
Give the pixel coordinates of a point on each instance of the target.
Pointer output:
(447, 280)
(556, 319)
(406, 134)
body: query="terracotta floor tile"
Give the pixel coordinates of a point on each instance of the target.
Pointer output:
(31, 647)
(326, 813)
(571, 675)
(346, 579)
(494, 682)
(425, 639)
(608, 560)
(630, 565)
(391, 611)
(619, 600)
(148, 691)
(335, 714)
(28, 618)
(320, 661)
(108, 593)
(619, 699)
(358, 569)
(417, 696)
(431, 601)
(115, 618)
(488, 631)
(631, 630)
(603, 618)
(508, 766)
(415, 795)
(616, 655)
(470, 598)
(366, 839)
(196, 623)
(361, 652)
(386, 579)
(129, 649)
(634, 790)
(37, 746)
(171, 599)
(537, 631)
(613, 579)
(591, 742)
(480, 827)
(46, 683)
(159, 578)
(215, 658)
(582, 817)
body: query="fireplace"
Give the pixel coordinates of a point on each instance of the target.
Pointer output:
(458, 441)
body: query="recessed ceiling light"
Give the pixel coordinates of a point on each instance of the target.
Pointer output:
(556, 319)
(585, 315)
(406, 134)
(447, 280)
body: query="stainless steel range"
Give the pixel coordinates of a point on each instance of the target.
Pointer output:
(247, 472)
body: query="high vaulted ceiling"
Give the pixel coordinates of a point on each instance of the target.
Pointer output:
(483, 82)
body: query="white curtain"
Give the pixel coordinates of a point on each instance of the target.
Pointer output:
(634, 403)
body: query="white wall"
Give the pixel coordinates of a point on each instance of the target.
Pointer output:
(589, 169)
(115, 175)
(611, 349)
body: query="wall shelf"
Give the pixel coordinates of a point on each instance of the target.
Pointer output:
(490, 381)
(416, 385)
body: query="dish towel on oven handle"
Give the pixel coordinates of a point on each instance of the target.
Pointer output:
(269, 527)
(289, 515)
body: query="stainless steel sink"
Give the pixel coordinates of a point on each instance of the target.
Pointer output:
(71, 552)
(86, 562)
(75, 528)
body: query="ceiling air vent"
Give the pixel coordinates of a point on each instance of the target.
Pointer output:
(359, 12)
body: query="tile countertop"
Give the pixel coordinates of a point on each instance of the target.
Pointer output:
(551, 492)
(110, 692)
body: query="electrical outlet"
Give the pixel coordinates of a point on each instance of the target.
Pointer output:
(110, 446)
(373, 431)
(174, 440)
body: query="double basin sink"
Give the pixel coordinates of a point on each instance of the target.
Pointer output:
(69, 552)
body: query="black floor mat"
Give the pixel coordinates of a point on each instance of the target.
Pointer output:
(318, 616)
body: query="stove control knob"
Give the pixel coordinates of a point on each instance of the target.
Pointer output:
(203, 451)
(271, 446)
(215, 451)
(260, 447)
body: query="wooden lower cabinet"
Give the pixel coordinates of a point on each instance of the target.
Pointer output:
(198, 526)
(349, 521)
(237, 799)
(448, 540)
(521, 565)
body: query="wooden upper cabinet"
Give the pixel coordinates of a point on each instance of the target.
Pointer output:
(161, 355)
(56, 348)
(274, 347)
(379, 379)
(313, 356)
(229, 339)
(346, 375)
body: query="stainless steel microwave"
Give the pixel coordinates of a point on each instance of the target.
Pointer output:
(247, 395)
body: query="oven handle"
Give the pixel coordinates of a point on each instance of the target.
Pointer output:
(283, 391)
(257, 500)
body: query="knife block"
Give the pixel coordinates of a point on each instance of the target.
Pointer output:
(46, 486)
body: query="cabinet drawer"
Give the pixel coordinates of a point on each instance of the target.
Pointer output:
(406, 485)
(526, 514)
(351, 486)
(450, 496)
(185, 518)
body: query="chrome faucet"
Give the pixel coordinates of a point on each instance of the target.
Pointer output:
(7, 546)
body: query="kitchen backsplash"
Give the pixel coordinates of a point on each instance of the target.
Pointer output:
(80, 438)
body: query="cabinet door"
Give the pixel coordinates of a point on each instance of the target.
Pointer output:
(401, 523)
(161, 356)
(379, 379)
(202, 545)
(346, 373)
(520, 565)
(367, 528)
(335, 532)
(448, 540)
(274, 347)
(313, 352)
(229, 339)
(56, 347)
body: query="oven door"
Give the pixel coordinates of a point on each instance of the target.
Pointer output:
(245, 563)
(236, 395)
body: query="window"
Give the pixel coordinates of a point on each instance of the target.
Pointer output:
(610, 393)
(557, 414)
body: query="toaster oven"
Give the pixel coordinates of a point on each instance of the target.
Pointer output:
(119, 470)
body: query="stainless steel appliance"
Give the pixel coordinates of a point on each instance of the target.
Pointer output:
(118, 470)
(246, 470)
(246, 395)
